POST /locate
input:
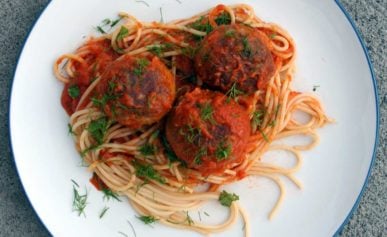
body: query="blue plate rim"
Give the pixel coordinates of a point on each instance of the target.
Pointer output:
(376, 143)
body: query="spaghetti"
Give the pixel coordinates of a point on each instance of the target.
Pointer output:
(138, 162)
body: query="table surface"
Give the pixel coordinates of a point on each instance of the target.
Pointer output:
(17, 217)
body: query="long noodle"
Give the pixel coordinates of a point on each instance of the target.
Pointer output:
(169, 201)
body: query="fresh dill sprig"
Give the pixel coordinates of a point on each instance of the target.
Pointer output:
(103, 212)
(207, 112)
(147, 219)
(234, 92)
(79, 200)
(223, 151)
(226, 198)
(148, 149)
(109, 194)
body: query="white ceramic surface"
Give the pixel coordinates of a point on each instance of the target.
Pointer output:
(329, 55)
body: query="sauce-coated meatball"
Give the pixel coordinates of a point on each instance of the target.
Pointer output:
(235, 54)
(208, 131)
(136, 91)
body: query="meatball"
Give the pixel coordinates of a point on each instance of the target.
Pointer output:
(208, 131)
(235, 55)
(136, 91)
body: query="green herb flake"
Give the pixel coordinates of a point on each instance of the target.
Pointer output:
(234, 91)
(109, 194)
(223, 19)
(70, 129)
(226, 198)
(201, 153)
(229, 34)
(206, 112)
(142, 63)
(79, 200)
(148, 172)
(201, 25)
(159, 49)
(147, 219)
(122, 33)
(73, 91)
(272, 36)
(264, 136)
(222, 151)
(258, 117)
(189, 220)
(191, 135)
(189, 51)
(100, 30)
(115, 22)
(103, 212)
(246, 51)
(98, 128)
(148, 149)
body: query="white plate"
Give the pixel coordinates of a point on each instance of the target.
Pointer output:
(330, 55)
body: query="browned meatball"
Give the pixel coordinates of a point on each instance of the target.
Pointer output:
(208, 131)
(136, 91)
(235, 54)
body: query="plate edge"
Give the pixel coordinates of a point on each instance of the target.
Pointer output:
(9, 113)
(376, 143)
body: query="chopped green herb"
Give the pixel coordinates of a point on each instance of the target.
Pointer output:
(75, 183)
(201, 153)
(79, 200)
(148, 149)
(189, 220)
(109, 194)
(223, 19)
(142, 63)
(98, 128)
(234, 92)
(147, 219)
(106, 21)
(122, 33)
(272, 123)
(247, 52)
(103, 212)
(222, 151)
(257, 118)
(70, 129)
(200, 216)
(191, 135)
(206, 112)
(272, 36)
(148, 172)
(189, 52)
(100, 30)
(226, 198)
(115, 22)
(229, 33)
(105, 98)
(159, 49)
(201, 25)
(205, 213)
(73, 91)
(87, 150)
(264, 136)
